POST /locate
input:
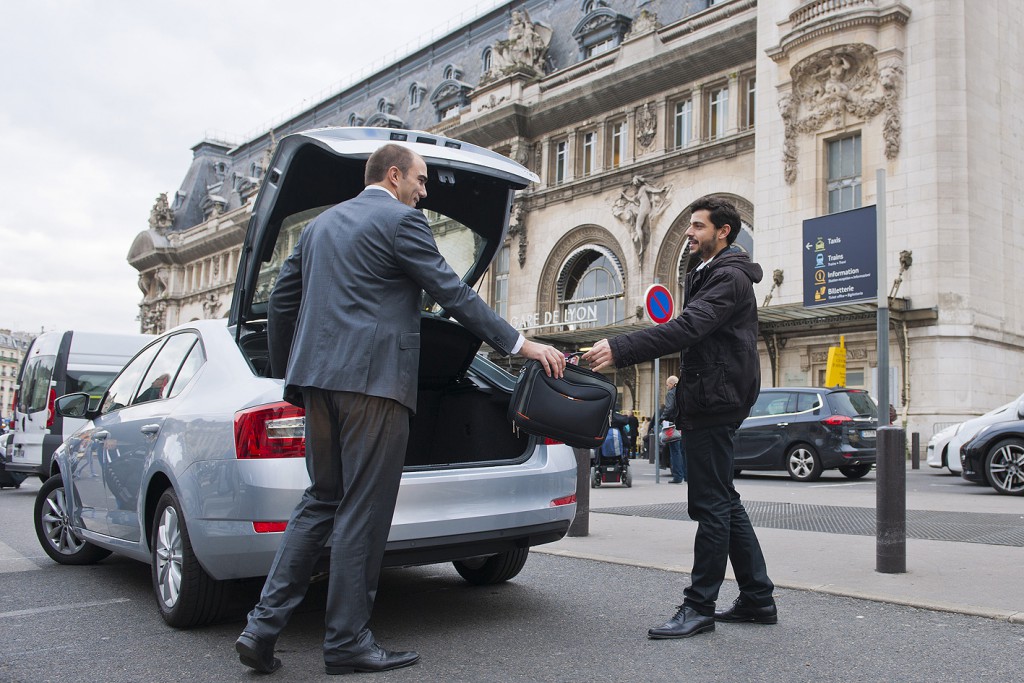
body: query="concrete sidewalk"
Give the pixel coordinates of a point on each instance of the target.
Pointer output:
(967, 578)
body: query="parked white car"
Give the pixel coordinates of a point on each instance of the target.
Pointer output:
(944, 447)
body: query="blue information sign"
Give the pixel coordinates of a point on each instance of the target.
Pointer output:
(840, 258)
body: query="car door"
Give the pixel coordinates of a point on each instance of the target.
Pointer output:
(93, 451)
(761, 437)
(32, 411)
(132, 438)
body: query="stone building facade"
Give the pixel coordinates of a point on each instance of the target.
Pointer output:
(630, 109)
(13, 346)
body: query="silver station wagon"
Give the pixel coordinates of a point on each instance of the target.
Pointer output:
(192, 463)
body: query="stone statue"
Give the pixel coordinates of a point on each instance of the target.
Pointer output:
(835, 83)
(639, 210)
(646, 125)
(645, 22)
(211, 304)
(161, 217)
(517, 228)
(524, 50)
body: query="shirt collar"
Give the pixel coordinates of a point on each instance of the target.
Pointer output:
(382, 189)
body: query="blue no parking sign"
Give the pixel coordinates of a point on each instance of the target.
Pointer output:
(659, 303)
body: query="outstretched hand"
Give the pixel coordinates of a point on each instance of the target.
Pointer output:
(551, 358)
(600, 355)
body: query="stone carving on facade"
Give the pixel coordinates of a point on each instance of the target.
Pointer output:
(152, 316)
(645, 22)
(638, 206)
(832, 84)
(153, 284)
(492, 102)
(211, 306)
(161, 217)
(646, 125)
(523, 52)
(517, 229)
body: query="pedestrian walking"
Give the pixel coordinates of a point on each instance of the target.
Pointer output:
(717, 334)
(348, 361)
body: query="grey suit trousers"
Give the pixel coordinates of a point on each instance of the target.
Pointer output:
(355, 451)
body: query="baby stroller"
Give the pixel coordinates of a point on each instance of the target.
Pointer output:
(610, 462)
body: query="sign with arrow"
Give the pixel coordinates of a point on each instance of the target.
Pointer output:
(840, 257)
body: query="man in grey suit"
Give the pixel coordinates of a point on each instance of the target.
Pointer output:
(353, 365)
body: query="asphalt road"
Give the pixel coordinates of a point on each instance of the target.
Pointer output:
(562, 619)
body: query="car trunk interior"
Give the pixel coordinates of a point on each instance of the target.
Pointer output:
(461, 417)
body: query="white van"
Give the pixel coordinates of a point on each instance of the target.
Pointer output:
(59, 363)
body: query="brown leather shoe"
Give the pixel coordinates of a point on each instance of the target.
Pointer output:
(684, 624)
(374, 659)
(740, 613)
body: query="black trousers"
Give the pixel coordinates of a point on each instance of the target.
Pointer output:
(355, 451)
(724, 532)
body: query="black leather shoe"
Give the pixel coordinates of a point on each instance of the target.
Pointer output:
(740, 613)
(684, 624)
(257, 653)
(374, 659)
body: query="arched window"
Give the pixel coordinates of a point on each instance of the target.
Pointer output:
(415, 95)
(486, 60)
(382, 105)
(590, 288)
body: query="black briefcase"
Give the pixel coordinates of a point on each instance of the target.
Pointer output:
(575, 409)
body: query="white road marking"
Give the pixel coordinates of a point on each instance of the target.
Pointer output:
(13, 561)
(59, 608)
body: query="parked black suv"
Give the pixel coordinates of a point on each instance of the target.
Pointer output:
(806, 430)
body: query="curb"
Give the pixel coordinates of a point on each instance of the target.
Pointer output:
(953, 608)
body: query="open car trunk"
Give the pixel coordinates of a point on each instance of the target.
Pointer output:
(462, 404)
(461, 413)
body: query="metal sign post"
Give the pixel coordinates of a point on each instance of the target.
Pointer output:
(658, 301)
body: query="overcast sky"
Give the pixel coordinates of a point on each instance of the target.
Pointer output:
(103, 100)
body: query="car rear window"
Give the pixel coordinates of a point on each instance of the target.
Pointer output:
(852, 404)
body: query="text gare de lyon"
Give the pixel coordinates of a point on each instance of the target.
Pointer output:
(566, 316)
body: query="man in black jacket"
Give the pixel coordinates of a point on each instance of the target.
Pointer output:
(720, 379)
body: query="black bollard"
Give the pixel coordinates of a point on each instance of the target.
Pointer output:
(915, 451)
(580, 525)
(891, 502)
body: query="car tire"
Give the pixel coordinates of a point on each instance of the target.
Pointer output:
(1004, 467)
(185, 594)
(54, 530)
(802, 463)
(855, 471)
(484, 571)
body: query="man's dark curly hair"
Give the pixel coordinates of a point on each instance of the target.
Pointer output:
(721, 212)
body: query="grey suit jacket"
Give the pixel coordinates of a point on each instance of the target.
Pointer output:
(344, 314)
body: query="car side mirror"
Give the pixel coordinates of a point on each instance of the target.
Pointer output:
(76, 405)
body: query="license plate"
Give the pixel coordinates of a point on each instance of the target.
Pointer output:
(867, 433)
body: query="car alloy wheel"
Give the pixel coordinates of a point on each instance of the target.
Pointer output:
(1004, 467)
(55, 530)
(185, 594)
(167, 554)
(802, 463)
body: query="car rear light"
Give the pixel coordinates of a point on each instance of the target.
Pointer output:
(51, 408)
(836, 420)
(276, 430)
(551, 442)
(564, 500)
(269, 527)
(14, 402)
